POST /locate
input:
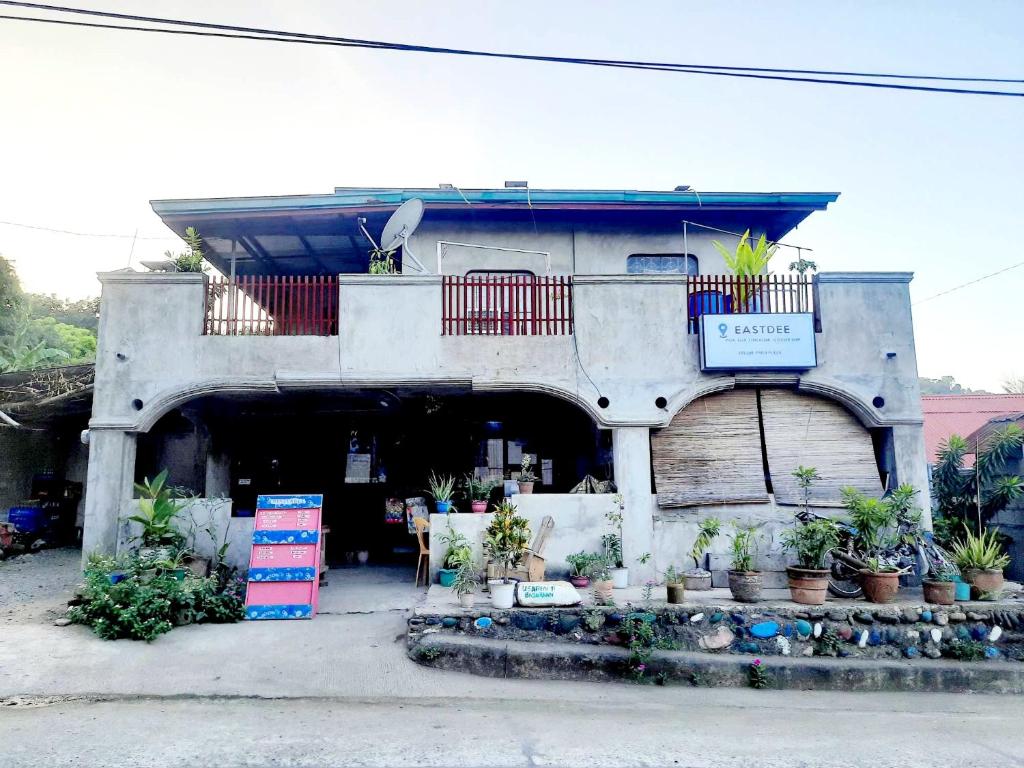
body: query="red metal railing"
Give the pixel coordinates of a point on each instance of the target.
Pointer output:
(732, 295)
(272, 305)
(506, 305)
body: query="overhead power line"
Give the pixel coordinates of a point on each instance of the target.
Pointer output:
(82, 234)
(971, 282)
(228, 31)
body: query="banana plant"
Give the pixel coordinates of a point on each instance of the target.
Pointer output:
(746, 262)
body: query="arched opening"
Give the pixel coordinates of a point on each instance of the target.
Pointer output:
(742, 446)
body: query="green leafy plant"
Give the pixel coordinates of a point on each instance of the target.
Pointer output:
(673, 575)
(466, 580)
(526, 474)
(479, 489)
(158, 510)
(458, 550)
(382, 262)
(964, 650)
(594, 619)
(507, 538)
(709, 530)
(811, 542)
(612, 542)
(441, 487)
(746, 262)
(743, 547)
(756, 675)
(805, 479)
(874, 520)
(801, 266)
(582, 563)
(190, 260)
(983, 552)
(829, 643)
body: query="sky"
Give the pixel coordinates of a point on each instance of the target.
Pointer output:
(97, 123)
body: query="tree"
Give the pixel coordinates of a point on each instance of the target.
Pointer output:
(83, 313)
(946, 385)
(1014, 385)
(960, 492)
(11, 297)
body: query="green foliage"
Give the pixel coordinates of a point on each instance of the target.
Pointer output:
(526, 474)
(710, 528)
(478, 489)
(756, 675)
(382, 262)
(811, 542)
(958, 491)
(874, 520)
(983, 551)
(190, 260)
(674, 575)
(441, 487)
(457, 548)
(19, 352)
(946, 385)
(964, 650)
(746, 262)
(612, 542)
(829, 643)
(594, 619)
(11, 297)
(466, 580)
(805, 478)
(507, 538)
(802, 266)
(158, 510)
(80, 313)
(743, 546)
(582, 563)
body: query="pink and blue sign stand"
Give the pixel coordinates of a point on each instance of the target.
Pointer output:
(284, 567)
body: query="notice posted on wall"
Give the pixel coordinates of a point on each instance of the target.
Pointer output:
(284, 565)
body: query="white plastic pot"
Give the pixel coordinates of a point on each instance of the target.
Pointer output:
(620, 578)
(503, 595)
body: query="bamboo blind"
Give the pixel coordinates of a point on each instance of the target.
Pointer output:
(814, 432)
(711, 453)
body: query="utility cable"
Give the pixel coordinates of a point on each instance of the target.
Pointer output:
(971, 282)
(82, 234)
(310, 39)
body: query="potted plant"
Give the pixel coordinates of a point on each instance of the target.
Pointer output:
(981, 560)
(940, 588)
(506, 541)
(675, 587)
(698, 578)
(457, 552)
(479, 491)
(875, 523)
(158, 508)
(744, 582)
(580, 566)
(465, 584)
(441, 488)
(612, 543)
(810, 542)
(746, 263)
(526, 476)
(602, 581)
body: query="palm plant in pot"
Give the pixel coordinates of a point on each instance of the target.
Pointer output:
(580, 566)
(479, 492)
(744, 582)
(875, 522)
(457, 552)
(441, 488)
(506, 541)
(526, 476)
(698, 578)
(982, 560)
(747, 263)
(810, 542)
(466, 583)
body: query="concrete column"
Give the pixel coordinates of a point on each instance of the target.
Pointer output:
(218, 475)
(631, 448)
(110, 478)
(912, 465)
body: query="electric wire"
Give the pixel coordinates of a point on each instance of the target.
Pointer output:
(83, 234)
(270, 35)
(970, 282)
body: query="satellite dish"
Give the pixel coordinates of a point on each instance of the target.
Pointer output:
(402, 224)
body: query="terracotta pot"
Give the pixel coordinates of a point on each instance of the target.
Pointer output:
(676, 593)
(939, 592)
(525, 487)
(467, 600)
(983, 582)
(579, 581)
(479, 507)
(807, 586)
(697, 583)
(745, 586)
(603, 590)
(879, 587)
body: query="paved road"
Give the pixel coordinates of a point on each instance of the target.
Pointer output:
(648, 727)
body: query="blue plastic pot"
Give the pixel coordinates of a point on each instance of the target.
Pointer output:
(963, 591)
(443, 507)
(447, 576)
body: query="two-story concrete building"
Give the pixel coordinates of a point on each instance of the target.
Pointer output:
(595, 330)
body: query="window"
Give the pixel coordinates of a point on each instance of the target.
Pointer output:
(662, 264)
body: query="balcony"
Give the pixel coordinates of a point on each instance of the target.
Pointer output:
(506, 305)
(272, 305)
(763, 294)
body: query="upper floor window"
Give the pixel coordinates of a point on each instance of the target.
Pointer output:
(662, 264)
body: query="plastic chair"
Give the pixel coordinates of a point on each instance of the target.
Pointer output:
(422, 524)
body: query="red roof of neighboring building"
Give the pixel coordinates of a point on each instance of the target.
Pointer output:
(946, 415)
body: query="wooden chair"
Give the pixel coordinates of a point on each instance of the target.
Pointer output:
(422, 524)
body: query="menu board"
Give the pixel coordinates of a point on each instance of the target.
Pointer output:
(284, 566)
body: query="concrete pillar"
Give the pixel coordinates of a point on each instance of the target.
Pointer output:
(631, 447)
(912, 465)
(218, 475)
(110, 478)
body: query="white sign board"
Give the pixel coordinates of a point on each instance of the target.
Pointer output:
(763, 342)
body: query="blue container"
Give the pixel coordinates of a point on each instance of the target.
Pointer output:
(963, 591)
(28, 520)
(443, 507)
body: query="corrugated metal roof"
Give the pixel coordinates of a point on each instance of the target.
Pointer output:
(946, 415)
